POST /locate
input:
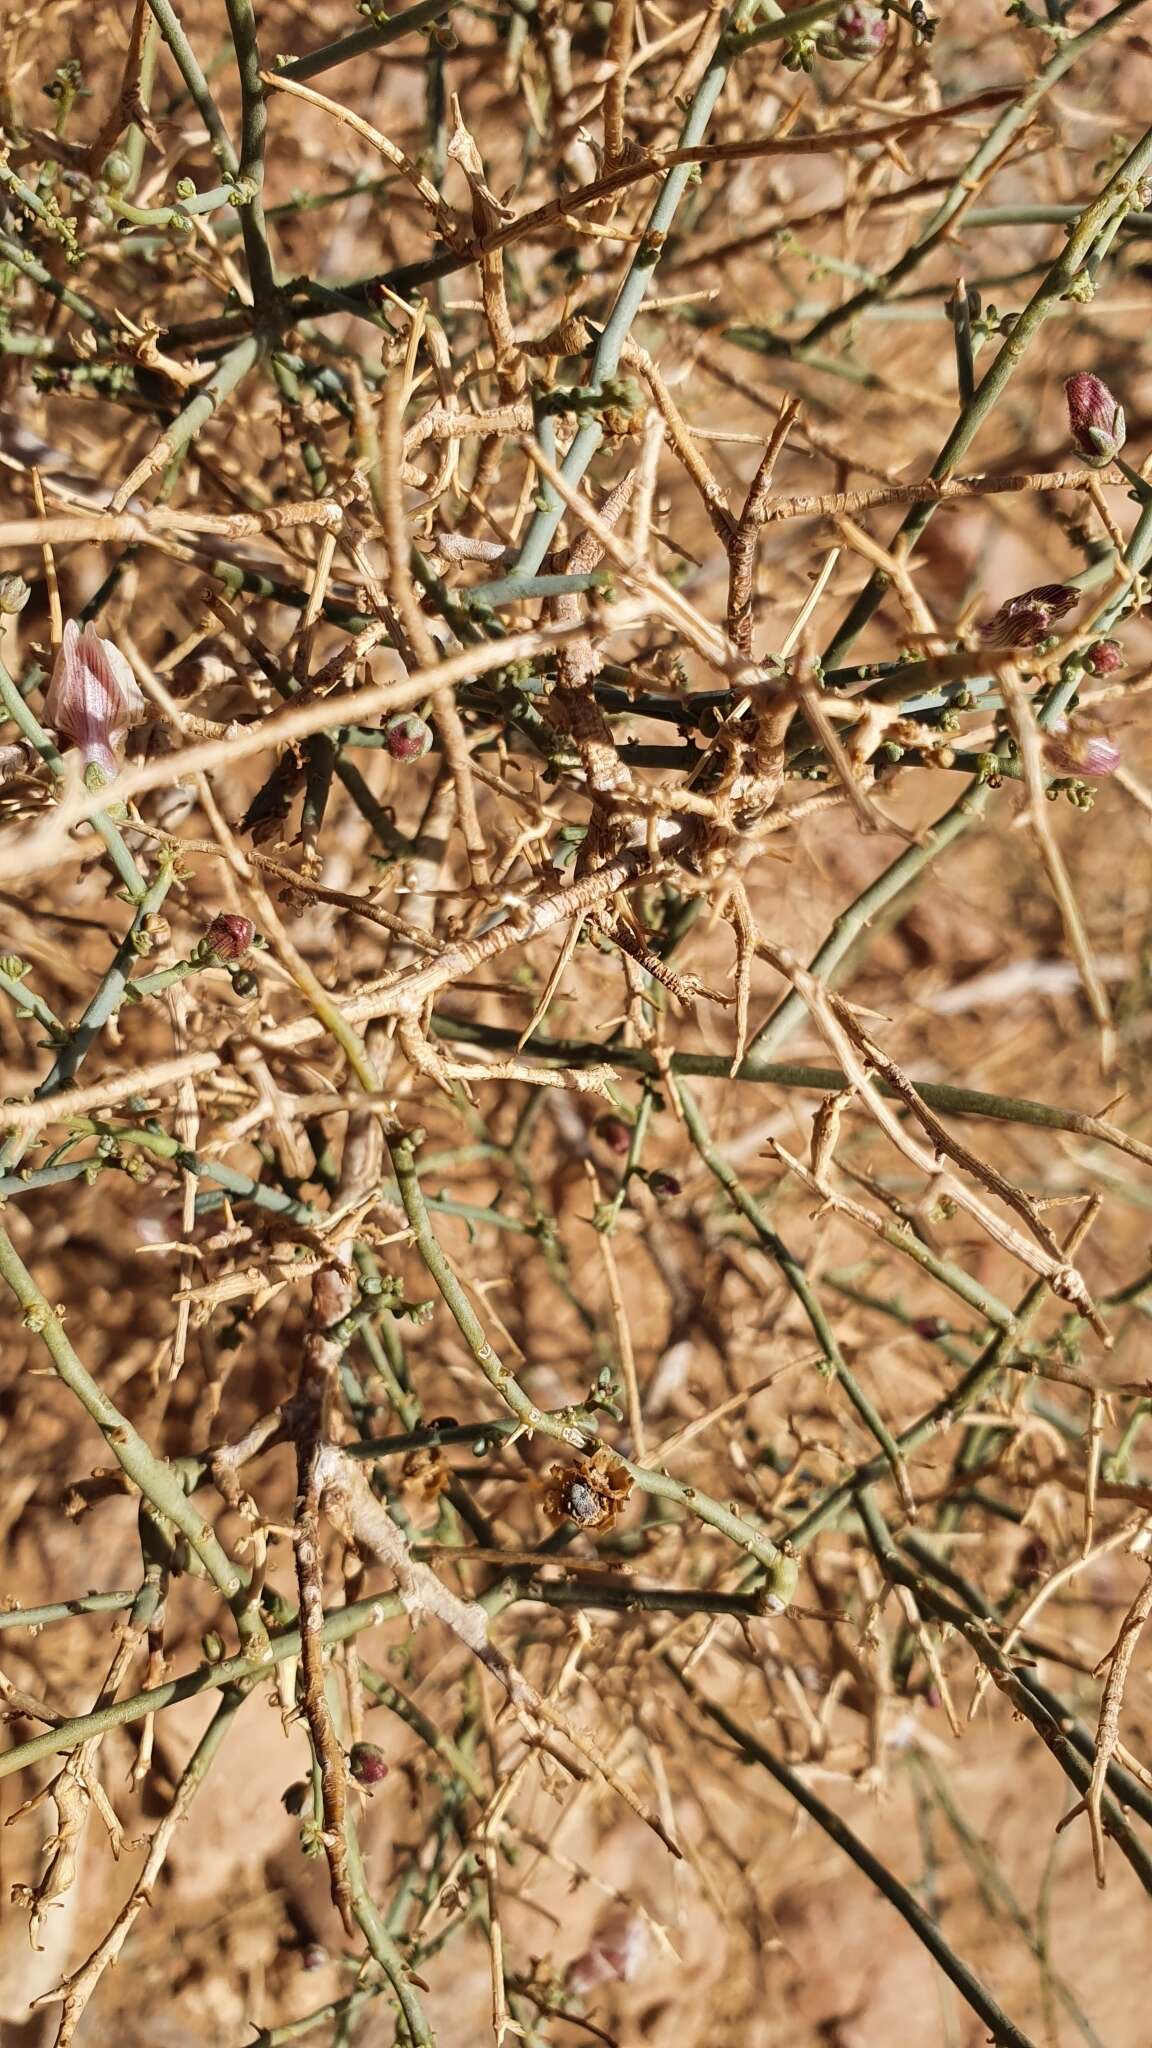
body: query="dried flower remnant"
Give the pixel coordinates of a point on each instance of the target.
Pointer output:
(858, 31)
(1095, 417)
(1104, 658)
(617, 1951)
(1029, 617)
(1077, 749)
(93, 698)
(590, 1494)
(407, 736)
(228, 937)
(425, 1474)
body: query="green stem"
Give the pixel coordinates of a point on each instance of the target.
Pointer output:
(945, 1096)
(363, 39)
(63, 1610)
(629, 299)
(797, 1279)
(1049, 1727)
(712, 1512)
(1003, 2030)
(1115, 197)
(153, 1476)
(1010, 123)
(188, 65)
(254, 124)
(380, 1942)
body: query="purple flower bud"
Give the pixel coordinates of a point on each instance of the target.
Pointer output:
(1077, 750)
(1025, 619)
(859, 31)
(663, 1185)
(931, 1327)
(1095, 418)
(615, 1133)
(367, 1763)
(228, 936)
(406, 736)
(313, 1956)
(618, 1949)
(1104, 658)
(93, 697)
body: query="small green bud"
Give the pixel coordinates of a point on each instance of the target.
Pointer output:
(14, 595)
(116, 170)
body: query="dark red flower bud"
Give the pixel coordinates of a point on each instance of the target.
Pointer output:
(859, 31)
(1031, 1561)
(367, 1763)
(1104, 658)
(1095, 418)
(296, 1798)
(663, 1185)
(406, 736)
(931, 1327)
(1025, 619)
(228, 936)
(615, 1133)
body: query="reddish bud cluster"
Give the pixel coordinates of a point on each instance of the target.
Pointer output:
(228, 936)
(367, 1763)
(859, 31)
(1095, 417)
(1104, 658)
(406, 736)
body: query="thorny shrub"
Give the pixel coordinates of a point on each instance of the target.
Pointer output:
(572, 861)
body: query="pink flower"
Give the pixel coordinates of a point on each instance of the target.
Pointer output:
(618, 1949)
(1078, 750)
(1024, 620)
(93, 697)
(1095, 417)
(859, 31)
